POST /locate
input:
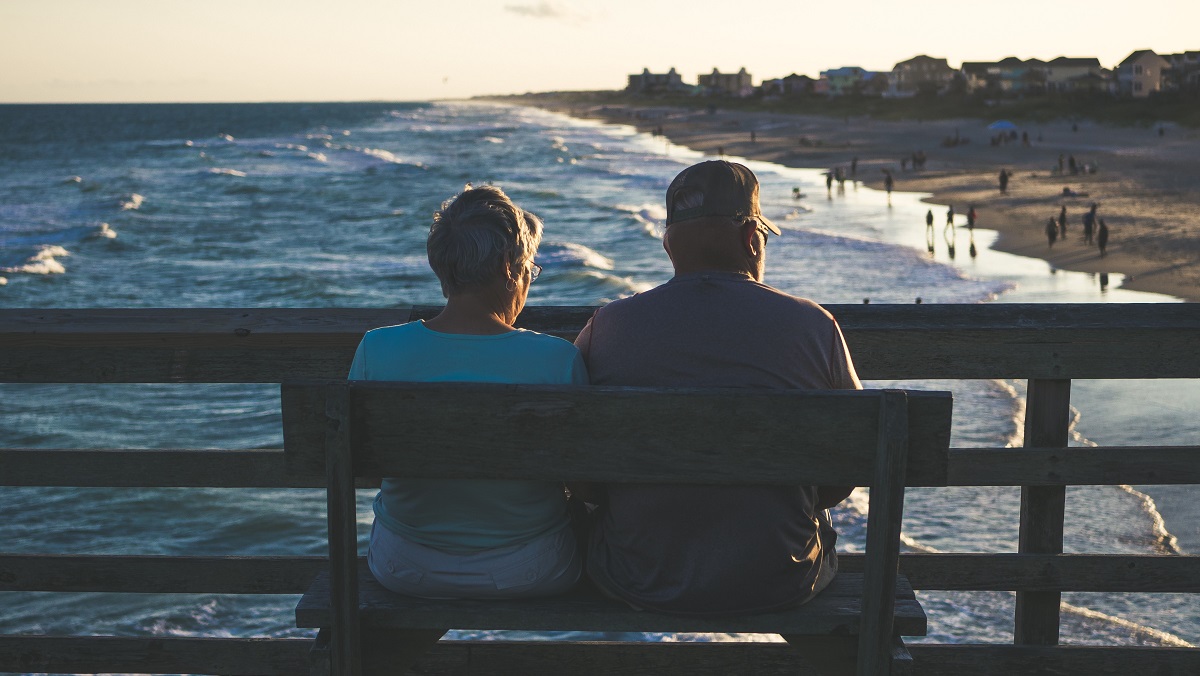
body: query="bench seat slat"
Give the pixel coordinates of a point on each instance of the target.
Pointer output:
(835, 611)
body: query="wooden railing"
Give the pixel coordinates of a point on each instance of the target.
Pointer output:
(1048, 345)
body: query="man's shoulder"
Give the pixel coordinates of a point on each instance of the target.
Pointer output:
(745, 294)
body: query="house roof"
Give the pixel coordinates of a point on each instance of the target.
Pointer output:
(1009, 62)
(1082, 62)
(920, 58)
(1138, 55)
(844, 71)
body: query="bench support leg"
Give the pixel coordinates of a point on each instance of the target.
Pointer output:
(394, 651)
(827, 655)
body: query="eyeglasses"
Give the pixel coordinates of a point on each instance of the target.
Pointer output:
(535, 271)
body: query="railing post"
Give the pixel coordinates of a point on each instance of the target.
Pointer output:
(1047, 419)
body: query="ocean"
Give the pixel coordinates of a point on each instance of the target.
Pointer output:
(327, 205)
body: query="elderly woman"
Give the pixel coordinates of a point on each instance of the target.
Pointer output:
(474, 539)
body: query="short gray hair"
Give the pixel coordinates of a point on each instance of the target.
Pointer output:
(478, 236)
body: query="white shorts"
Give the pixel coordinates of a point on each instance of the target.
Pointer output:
(550, 564)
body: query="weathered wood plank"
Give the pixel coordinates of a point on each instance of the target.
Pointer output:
(168, 468)
(835, 611)
(884, 518)
(990, 340)
(1043, 508)
(160, 574)
(1044, 572)
(1005, 660)
(478, 658)
(261, 467)
(1098, 466)
(153, 655)
(292, 574)
(669, 435)
(345, 636)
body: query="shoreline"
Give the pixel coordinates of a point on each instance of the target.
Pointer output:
(1146, 185)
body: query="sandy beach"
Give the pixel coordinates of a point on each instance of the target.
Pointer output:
(1147, 185)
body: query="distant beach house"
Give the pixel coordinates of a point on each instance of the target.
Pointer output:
(851, 80)
(1141, 74)
(1185, 70)
(920, 74)
(789, 86)
(651, 83)
(1075, 74)
(976, 75)
(738, 84)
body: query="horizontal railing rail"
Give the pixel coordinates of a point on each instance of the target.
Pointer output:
(207, 345)
(1046, 344)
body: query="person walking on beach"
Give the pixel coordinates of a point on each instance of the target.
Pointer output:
(1089, 224)
(1062, 223)
(950, 216)
(929, 220)
(829, 181)
(888, 183)
(697, 549)
(1003, 180)
(1051, 231)
(971, 217)
(1102, 237)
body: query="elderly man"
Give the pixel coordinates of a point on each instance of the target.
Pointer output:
(706, 550)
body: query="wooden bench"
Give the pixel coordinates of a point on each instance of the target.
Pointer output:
(883, 439)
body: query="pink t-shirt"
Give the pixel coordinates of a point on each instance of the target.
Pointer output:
(703, 549)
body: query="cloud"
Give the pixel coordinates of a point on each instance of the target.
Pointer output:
(544, 10)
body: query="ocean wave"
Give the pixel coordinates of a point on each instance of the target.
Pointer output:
(226, 137)
(320, 157)
(44, 262)
(570, 254)
(132, 202)
(219, 171)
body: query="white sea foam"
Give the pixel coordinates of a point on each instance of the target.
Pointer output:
(320, 157)
(105, 232)
(1141, 630)
(3, 281)
(570, 254)
(292, 146)
(227, 172)
(493, 139)
(44, 262)
(74, 179)
(134, 201)
(225, 137)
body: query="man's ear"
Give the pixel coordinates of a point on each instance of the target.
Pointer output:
(750, 241)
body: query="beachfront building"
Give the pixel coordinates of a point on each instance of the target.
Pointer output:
(919, 74)
(845, 80)
(653, 83)
(738, 84)
(1075, 74)
(976, 75)
(790, 86)
(1185, 71)
(1141, 74)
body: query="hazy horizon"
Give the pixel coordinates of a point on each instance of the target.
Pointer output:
(222, 51)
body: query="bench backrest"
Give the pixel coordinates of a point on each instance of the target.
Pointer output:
(612, 434)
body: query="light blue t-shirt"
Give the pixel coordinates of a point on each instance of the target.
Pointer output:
(468, 515)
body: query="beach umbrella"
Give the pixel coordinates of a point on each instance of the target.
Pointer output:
(1002, 125)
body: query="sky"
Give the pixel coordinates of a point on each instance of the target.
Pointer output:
(59, 51)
